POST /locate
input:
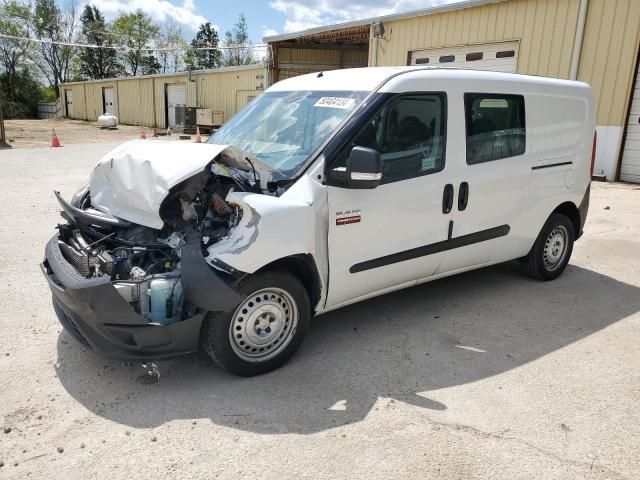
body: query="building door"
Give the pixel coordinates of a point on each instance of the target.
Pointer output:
(176, 95)
(630, 167)
(68, 99)
(498, 57)
(107, 98)
(243, 97)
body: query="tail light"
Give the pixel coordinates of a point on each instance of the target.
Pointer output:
(593, 153)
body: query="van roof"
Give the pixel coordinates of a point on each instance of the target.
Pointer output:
(369, 78)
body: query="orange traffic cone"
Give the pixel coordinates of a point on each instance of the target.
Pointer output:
(198, 138)
(54, 139)
(143, 136)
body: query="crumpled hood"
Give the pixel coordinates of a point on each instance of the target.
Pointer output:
(132, 180)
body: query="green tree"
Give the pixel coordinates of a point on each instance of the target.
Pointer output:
(51, 24)
(171, 59)
(149, 65)
(207, 36)
(96, 63)
(26, 94)
(14, 20)
(238, 47)
(190, 58)
(136, 32)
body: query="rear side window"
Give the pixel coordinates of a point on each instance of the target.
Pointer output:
(495, 126)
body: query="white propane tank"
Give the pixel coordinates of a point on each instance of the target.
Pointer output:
(107, 120)
(165, 294)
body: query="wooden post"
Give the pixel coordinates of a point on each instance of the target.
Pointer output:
(3, 138)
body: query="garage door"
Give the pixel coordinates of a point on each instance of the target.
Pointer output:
(107, 95)
(176, 95)
(499, 57)
(630, 168)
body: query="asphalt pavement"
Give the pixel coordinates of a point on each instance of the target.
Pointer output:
(488, 374)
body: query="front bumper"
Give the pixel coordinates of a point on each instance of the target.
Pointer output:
(94, 313)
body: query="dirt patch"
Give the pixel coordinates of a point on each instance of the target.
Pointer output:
(37, 133)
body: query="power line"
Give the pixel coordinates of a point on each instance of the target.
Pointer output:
(143, 49)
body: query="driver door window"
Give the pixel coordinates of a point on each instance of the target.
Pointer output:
(410, 134)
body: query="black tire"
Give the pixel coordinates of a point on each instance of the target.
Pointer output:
(216, 336)
(534, 263)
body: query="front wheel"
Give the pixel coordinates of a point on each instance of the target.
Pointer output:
(266, 328)
(551, 252)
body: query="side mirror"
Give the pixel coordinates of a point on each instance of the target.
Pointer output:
(364, 168)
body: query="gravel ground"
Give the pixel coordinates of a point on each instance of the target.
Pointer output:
(483, 375)
(37, 133)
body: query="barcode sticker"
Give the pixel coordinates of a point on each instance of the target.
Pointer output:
(428, 164)
(335, 102)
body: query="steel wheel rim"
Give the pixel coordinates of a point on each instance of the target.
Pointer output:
(263, 325)
(555, 248)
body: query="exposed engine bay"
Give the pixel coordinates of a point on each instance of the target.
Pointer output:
(144, 263)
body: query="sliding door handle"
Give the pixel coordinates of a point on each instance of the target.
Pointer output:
(447, 198)
(463, 196)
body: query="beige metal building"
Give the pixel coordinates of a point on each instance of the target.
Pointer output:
(595, 41)
(151, 100)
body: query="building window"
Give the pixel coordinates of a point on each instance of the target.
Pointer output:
(474, 56)
(422, 61)
(506, 54)
(495, 126)
(447, 58)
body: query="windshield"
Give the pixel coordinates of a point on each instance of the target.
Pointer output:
(283, 128)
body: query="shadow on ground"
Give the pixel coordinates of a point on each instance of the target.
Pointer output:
(391, 346)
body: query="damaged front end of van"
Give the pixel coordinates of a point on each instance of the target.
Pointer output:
(139, 262)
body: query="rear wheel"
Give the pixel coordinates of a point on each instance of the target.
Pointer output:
(266, 328)
(551, 252)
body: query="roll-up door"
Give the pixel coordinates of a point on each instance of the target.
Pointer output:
(498, 57)
(176, 95)
(630, 167)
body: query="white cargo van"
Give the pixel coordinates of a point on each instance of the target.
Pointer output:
(326, 190)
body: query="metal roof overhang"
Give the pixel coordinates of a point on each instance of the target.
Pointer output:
(351, 38)
(312, 33)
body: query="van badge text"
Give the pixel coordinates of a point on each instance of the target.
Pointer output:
(348, 216)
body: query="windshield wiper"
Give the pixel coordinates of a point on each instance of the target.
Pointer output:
(255, 175)
(282, 183)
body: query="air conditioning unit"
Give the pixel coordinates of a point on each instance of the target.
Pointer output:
(209, 117)
(218, 117)
(181, 113)
(190, 117)
(204, 117)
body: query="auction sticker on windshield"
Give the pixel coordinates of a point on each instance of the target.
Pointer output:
(335, 102)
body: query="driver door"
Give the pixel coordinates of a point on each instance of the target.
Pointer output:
(389, 236)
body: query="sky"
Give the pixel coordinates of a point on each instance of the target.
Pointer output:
(264, 17)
